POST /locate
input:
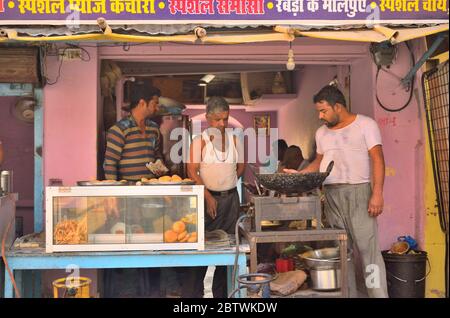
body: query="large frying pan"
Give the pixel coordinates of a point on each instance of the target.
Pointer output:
(292, 182)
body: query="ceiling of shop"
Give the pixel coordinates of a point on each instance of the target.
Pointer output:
(157, 68)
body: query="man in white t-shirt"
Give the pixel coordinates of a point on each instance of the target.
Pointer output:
(354, 188)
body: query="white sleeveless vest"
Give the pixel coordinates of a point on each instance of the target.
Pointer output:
(217, 168)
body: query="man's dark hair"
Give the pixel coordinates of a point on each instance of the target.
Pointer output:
(282, 147)
(293, 157)
(331, 94)
(142, 91)
(282, 144)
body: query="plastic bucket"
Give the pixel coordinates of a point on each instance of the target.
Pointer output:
(406, 274)
(73, 287)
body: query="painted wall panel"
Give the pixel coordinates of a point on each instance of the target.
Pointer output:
(18, 145)
(70, 120)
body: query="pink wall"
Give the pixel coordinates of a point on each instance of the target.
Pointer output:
(70, 121)
(404, 152)
(361, 84)
(18, 143)
(298, 121)
(70, 133)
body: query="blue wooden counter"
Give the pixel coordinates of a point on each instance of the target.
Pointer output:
(37, 259)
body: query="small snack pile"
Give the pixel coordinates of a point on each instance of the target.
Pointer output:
(164, 179)
(178, 233)
(174, 178)
(71, 232)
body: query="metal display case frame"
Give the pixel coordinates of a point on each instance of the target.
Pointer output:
(125, 191)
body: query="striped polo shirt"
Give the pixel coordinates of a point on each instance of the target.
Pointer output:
(128, 150)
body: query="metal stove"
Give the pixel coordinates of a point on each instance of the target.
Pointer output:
(286, 208)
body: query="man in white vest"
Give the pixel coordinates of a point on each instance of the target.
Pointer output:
(216, 161)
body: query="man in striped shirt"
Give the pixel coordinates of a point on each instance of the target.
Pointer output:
(131, 143)
(135, 140)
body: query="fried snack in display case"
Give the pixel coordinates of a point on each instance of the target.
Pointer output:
(96, 218)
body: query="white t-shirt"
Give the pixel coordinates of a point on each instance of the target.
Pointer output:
(348, 147)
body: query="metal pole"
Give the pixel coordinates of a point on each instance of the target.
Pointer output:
(407, 79)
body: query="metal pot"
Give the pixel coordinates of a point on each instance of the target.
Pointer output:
(324, 267)
(325, 279)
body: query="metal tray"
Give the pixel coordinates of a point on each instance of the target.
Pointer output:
(265, 223)
(169, 183)
(93, 183)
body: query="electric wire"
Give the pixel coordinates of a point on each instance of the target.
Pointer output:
(10, 273)
(69, 46)
(410, 88)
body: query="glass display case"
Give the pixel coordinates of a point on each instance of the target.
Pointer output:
(116, 218)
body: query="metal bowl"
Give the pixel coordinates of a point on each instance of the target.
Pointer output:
(293, 182)
(324, 258)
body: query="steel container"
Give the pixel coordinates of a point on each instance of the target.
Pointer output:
(6, 182)
(325, 279)
(324, 267)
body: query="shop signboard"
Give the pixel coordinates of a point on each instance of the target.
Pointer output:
(229, 12)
